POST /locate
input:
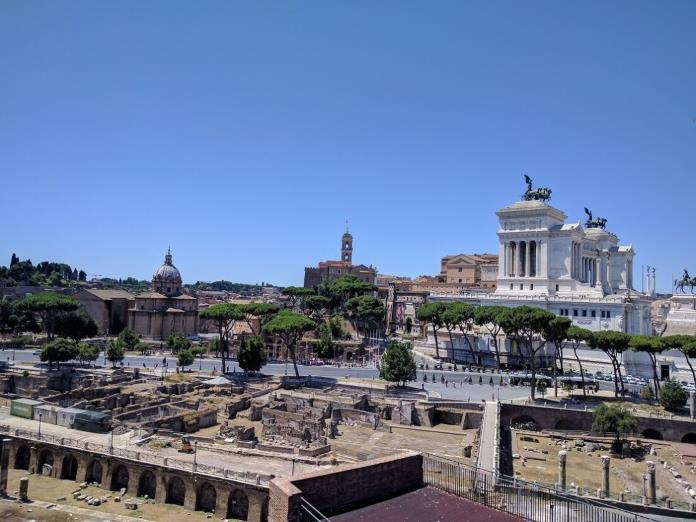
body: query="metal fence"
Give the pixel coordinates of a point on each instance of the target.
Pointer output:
(527, 500)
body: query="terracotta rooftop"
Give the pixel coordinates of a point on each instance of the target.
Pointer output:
(426, 504)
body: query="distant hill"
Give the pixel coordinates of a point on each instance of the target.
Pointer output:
(228, 286)
(46, 273)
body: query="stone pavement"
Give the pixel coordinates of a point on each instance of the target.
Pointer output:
(488, 438)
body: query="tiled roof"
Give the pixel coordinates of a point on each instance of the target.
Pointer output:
(109, 294)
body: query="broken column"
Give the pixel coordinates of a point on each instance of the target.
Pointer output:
(24, 489)
(4, 464)
(562, 469)
(605, 476)
(650, 478)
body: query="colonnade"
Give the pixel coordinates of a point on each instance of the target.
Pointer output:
(583, 268)
(522, 258)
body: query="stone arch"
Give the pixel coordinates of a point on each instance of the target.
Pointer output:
(22, 458)
(525, 422)
(651, 433)
(68, 470)
(119, 478)
(94, 472)
(565, 424)
(147, 484)
(45, 457)
(206, 496)
(689, 438)
(238, 505)
(176, 491)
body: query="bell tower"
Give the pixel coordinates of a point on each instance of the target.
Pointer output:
(347, 246)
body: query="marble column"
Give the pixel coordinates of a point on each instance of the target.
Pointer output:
(527, 258)
(692, 405)
(605, 476)
(651, 489)
(562, 455)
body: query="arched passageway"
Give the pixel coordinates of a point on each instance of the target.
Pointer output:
(206, 497)
(525, 422)
(94, 472)
(45, 458)
(68, 470)
(147, 485)
(238, 505)
(119, 478)
(652, 434)
(22, 458)
(689, 438)
(176, 491)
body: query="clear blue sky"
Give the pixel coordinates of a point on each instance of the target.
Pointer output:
(244, 134)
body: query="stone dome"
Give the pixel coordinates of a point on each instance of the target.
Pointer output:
(167, 278)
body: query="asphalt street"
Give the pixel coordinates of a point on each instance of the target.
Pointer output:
(454, 387)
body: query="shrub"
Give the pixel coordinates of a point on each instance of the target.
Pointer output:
(672, 396)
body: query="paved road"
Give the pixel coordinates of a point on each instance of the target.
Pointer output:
(454, 388)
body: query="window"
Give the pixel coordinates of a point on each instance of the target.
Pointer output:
(531, 286)
(584, 313)
(575, 312)
(460, 280)
(602, 314)
(608, 314)
(594, 313)
(510, 286)
(460, 268)
(557, 288)
(521, 286)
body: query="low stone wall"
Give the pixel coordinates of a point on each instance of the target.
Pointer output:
(276, 449)
(347, 488)
(314, 452)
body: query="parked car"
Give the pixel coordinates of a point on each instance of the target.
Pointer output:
(36, 352)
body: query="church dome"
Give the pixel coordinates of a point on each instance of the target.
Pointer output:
(167, 272)
(167, 278)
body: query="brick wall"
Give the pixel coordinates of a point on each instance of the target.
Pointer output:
(346, 488)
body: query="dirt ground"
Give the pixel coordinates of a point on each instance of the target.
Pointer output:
(585, 469)
(49, 489)
(365, 443)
